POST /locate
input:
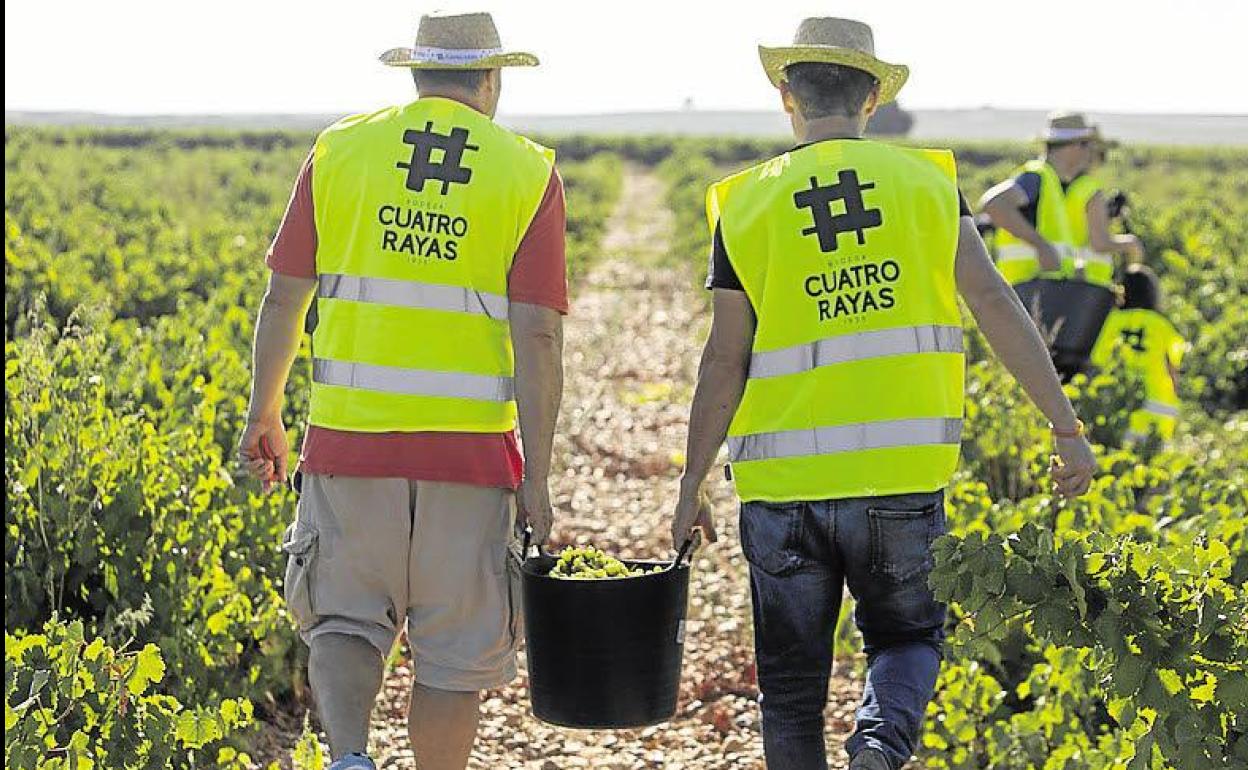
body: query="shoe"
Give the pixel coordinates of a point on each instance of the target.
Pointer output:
(357, 762)
(869, 759)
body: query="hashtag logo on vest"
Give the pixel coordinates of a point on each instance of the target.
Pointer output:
(447, 170)
(828, 227)
(1134, 339)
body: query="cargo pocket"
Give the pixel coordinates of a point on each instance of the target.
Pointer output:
(770, 534)
(515, 608)
(301, 546)
(901, 540)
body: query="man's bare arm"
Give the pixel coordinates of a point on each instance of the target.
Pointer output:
(1016, 341)
(722, 375)
(1099, 237)
(263, 447)
(537, 338)
(1003, 204)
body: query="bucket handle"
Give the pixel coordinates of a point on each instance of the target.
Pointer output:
(528, 537)
(683, 552)
(527, 542)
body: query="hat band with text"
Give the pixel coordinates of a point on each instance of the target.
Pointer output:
(452, 55)
(1069, 134)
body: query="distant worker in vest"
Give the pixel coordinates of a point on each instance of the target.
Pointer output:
(432, 242)
(834, 367)
(1052, 214)
(1139, 337)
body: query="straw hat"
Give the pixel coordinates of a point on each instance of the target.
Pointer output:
(835, 41)
(462, 41)
(1067, 127)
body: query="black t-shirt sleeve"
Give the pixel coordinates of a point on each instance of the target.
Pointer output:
(1029, 183)
(720, 273)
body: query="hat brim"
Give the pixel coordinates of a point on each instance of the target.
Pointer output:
(406, 57)
(891, 76)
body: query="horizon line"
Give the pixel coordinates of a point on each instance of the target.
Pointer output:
(645, 111)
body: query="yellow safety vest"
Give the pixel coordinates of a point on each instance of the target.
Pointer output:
(1016, 259)
(1146, 342)
(846, 249)
(419, 210)
(1098, 267)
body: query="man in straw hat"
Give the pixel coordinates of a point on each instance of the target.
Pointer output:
(834, 367)
(432, 241)
(1052, 214)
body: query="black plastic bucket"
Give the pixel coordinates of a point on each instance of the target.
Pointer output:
(605, 653)
(1070, 314)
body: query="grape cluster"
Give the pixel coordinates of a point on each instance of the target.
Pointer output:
(590, 563)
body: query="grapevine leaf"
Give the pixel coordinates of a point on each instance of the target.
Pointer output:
(198, 727)
(148, 667)
(1129, 674)
(1233, 691)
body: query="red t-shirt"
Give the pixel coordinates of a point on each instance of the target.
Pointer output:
(538, 277)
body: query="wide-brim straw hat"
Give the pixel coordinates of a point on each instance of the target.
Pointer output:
(1067, 127)
(835, 41)
(463, 41)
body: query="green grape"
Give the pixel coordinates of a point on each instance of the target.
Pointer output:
(591, 563)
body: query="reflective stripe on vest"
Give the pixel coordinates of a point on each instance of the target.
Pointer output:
(1091, 256)
(1015, 252)
(1024, 251)
(412, 382)
(856, 347)
(845, 438)
(1158, 408)
(1018, 263)
(414, 294)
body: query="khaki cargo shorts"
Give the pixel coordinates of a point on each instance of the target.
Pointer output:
(367, 555)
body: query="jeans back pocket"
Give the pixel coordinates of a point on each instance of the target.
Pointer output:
(770, 535)
(901, 540)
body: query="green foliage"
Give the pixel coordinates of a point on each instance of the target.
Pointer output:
(307, 753)
(74, 703)
(592, 188)
(132, 524)
(688, 173)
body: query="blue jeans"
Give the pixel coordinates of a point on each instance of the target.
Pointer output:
(801, 555)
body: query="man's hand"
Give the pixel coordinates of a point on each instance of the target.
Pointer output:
(1133, 247)
(1073, 467)
(263, 451)
(535, 510)
(1049, 257)
(693, 510)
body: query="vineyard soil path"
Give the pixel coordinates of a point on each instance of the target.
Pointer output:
(632, 344)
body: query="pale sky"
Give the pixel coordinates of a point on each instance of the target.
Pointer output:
(229, 56)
